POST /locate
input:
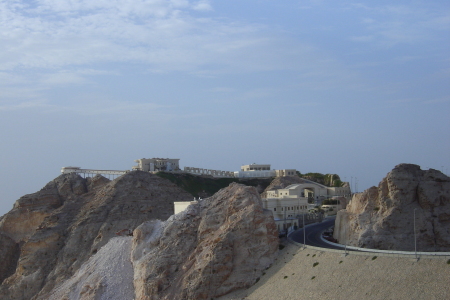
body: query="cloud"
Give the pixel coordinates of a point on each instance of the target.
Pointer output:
(163, 34)
(203, 5)
(390, 25)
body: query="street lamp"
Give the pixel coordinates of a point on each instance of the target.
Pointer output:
(304, 232)
(415, 240)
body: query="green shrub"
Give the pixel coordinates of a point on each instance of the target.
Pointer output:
(313, 277)
(315, 264)
(373, 258)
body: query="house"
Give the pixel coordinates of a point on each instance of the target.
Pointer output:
(290, 202)
(262, 171)
(157, 164)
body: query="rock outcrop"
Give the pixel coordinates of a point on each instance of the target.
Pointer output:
(383, 217)
(218, 245)
(221, 244)
(96, 239)
(61, 226)
(9, 254)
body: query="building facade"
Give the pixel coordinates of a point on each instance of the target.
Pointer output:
(262, 171)
(294, 198)
(157, 164)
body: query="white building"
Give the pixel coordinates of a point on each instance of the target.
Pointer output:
(262, 171)
(157, 164)
(182, 205)
(293, 200)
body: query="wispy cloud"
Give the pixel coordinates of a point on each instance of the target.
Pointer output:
(390, 25)
(164, 34)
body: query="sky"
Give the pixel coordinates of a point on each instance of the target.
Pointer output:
(346, 87)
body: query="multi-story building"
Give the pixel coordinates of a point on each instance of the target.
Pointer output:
(157, 164)
(293, 200)
(262, 171)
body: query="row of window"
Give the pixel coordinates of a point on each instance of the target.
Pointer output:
(302, 207)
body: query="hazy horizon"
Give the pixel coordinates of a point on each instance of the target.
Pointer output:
(351, 88)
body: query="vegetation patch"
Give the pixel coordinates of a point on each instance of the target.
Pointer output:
(340, 262)
(375, 257)
(313, 277)
(448, 262)
(315, 264)
(200, 185)
(285, 277)
(281, 246)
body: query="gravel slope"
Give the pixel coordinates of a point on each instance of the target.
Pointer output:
(334, 276)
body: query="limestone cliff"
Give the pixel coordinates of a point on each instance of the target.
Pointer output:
(383, 217)
(61, 226)
(218, 245)
(112, 240)
(221, 244)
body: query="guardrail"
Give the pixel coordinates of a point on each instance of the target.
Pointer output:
(346, 250)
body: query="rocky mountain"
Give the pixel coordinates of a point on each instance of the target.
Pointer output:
(99, 239)
(383, 217)
(58, 228)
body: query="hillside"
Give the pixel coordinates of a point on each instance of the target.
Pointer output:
(93, 238)
(307, 274)
(206, 186)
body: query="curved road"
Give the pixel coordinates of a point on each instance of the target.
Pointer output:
(313, 233)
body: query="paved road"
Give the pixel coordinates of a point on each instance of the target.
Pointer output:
(313, 234)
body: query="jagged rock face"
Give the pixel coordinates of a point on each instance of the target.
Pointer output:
(281, 183)
(72, 218)
(218, 245)
(9, 254)
(383, 217)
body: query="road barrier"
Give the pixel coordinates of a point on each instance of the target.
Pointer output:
(347, 250)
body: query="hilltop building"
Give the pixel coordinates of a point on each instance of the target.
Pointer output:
(262, 171)
(157, 164)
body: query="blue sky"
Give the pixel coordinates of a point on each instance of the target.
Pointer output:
(352, 88)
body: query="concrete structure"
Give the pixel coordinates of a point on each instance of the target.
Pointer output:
(255, 167)
(293, 200)
(285, 172)
(157, 164)
(262, 171)
(182, 205)
(90, 172)
(214, 173)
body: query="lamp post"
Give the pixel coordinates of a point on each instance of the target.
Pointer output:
(415, 240)
(304, 232)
